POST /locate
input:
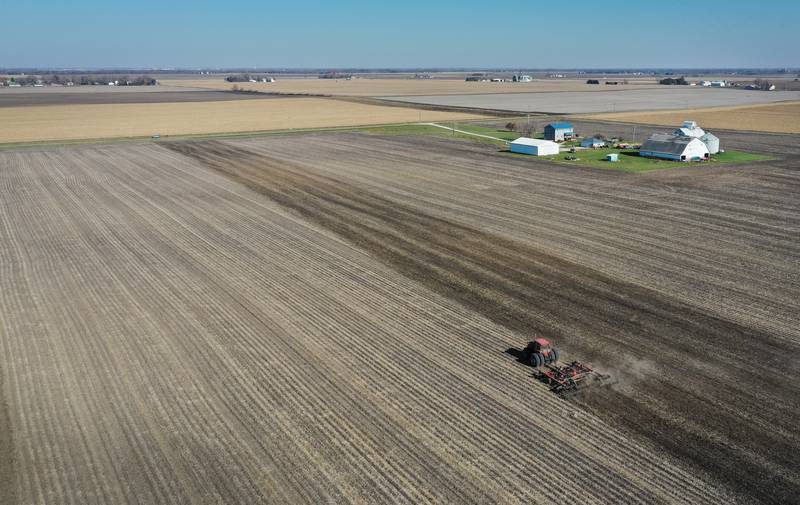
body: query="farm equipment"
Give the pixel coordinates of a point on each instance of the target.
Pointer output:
(563, 379)
(539, 352)
(567, 380)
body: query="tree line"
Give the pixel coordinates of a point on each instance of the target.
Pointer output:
(81, 80)
(681, 81)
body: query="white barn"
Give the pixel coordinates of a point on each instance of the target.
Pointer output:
(690, 129)
(535, 147)
(674, 147)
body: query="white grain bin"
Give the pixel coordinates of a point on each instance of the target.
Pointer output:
(534, 147)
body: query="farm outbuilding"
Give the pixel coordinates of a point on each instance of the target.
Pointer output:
(593, 142)
(690, 129)
(534, 147)
(674, 147)
(711, 141)
(559, 131)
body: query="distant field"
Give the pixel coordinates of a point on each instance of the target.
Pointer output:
(73, 122)
(667, 98)
(399, 87)
(69, 98)
(778, 117)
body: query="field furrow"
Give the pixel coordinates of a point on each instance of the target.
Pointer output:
(331, 318)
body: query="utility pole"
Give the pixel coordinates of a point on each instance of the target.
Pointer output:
(634, 134)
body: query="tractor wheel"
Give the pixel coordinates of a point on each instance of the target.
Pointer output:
(554, 354)
(537, 359)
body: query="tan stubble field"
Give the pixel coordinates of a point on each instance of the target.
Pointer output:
(76, 122)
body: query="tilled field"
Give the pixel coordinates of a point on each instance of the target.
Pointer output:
(325, 318)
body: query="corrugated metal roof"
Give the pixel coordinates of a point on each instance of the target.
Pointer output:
(709, 136)
(525, 141)
(696, 132)
(666, 143)
(561, 126)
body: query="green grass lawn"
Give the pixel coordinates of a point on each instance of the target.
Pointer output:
(421, 129)
(630, 161)
(740, 157)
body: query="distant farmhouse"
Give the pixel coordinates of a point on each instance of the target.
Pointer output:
(522, 78)
(558, 132)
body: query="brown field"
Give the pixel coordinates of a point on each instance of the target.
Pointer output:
(405, 87)
(781, 117)
(71, 122)
(324, 318)
(182, 95)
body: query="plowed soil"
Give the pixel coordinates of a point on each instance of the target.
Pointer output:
(319, 318)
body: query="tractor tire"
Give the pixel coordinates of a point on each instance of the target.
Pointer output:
(554, 354)
(537, 359)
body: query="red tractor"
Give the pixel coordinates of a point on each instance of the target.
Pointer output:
(539, 353)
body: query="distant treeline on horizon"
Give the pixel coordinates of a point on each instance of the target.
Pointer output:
(260, 70)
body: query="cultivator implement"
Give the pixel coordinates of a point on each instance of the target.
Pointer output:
(570, 379)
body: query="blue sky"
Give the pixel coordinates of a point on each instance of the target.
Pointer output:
(411, 33)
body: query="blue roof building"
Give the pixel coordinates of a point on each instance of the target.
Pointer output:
(559, 131)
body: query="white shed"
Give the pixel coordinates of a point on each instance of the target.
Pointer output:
(535, 147)
(674, 147)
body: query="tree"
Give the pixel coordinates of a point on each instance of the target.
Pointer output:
(527, 129)
(512, 126)
(670, 81)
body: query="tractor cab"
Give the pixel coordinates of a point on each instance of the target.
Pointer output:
(540, 352)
